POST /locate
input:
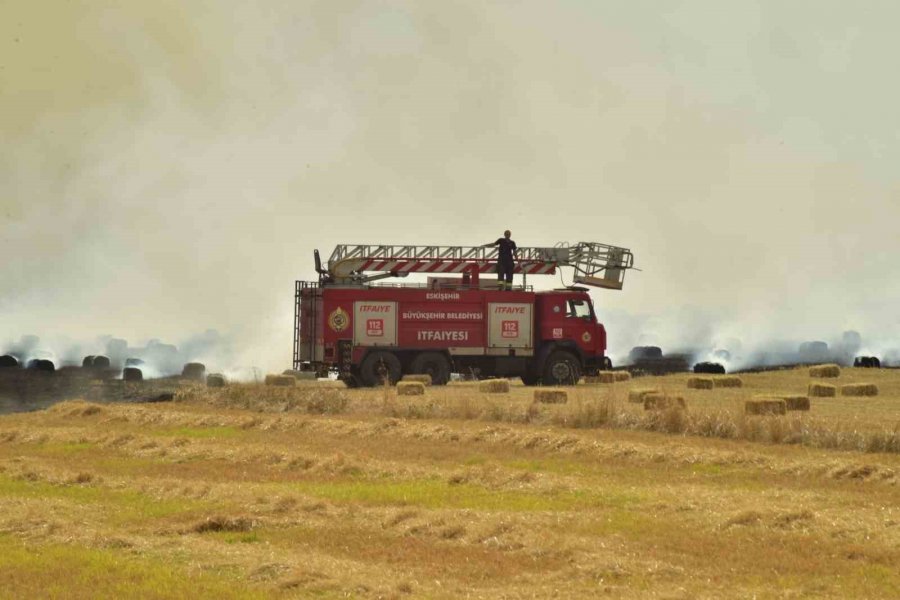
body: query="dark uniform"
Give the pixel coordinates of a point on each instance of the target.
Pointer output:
(505, 263)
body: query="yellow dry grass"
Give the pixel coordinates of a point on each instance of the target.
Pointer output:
(320, 491)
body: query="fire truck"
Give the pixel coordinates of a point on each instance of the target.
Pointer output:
(371, 331)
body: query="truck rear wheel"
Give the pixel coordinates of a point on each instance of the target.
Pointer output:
(561, 368)
(378, 367)
(434, 364)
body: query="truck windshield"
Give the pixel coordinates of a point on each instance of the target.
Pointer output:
(579, 309)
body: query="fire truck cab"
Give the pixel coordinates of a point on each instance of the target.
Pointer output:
(370, 333)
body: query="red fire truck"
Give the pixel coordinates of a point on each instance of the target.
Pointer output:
(455, 322)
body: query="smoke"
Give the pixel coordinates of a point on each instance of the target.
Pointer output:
(168, 167)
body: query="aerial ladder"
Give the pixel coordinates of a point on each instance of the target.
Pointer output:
(594, 264)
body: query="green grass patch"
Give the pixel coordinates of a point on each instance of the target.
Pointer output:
(437, 493)
(62, 571)
(119, 506)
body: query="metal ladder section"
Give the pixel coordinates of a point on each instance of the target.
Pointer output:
(595, 264)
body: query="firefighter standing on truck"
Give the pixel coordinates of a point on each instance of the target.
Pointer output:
(507, 251)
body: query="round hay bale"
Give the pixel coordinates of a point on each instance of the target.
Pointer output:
(424, 378)
(765, 406)
(551, 396)
(281, 380)
(829, 370)
(644, 352)
(132, 374)
(41, 364)
(133, 362)
(711, 368)
(88, 361)
(194, 370)
(663, 402)
(494, 386)
(100, 362)
(638, 395)
(8, 361)
(859, 389)
(601, 377)
(867, 362)
(729, 381)
(216, 380)
(411, 388)
(822, 390)
(700, 383)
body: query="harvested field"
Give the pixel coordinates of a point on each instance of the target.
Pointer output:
(319, 491)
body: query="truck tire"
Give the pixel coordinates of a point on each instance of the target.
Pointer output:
(561, 368)
(378, 366)
(434, 364)
(529, 378)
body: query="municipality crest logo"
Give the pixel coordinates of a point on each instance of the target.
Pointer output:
(338, 320)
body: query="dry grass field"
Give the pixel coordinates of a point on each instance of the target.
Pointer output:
(316, 491)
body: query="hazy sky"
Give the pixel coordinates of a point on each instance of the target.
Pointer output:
(169, 166)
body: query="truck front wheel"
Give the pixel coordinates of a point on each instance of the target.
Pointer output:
(561, 368)
(434, 364)
(378, 368)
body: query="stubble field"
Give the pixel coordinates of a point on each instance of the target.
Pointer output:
(319, 491)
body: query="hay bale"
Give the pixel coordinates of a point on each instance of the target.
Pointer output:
(710, 368)
(424, 378)
(8, 361)
(215, 380)
(867, 362)
(859, 389)
(194, 370)
(795, 402)
(88, 361)
(700, 383)
(40, 364)
(662, 401)
(639, 394)
(100, 362)
(281, 380)
(821, 390)
(622, 375)
(601, 377)
(410, 388)
(765, 406)
(494, 386)
(551, 396)
(829, 370)
(132, 374)
(728, 381)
